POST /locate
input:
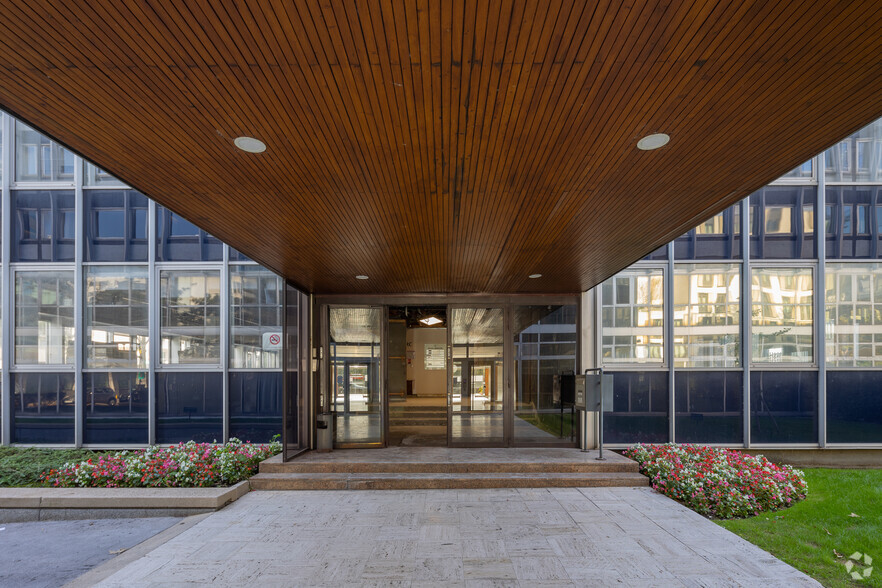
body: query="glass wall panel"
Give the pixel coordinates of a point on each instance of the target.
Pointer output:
(116, 317)
(659, 254)
(255, 317)
(639, 413)
(189, 316)
(294, 435)
(477, 387)
(37, 159)
(545, 344)
(857, 158)
(44, 225)
(710, 407)
(44, 318)
(357, 391)
(719, 237)
(803, 172)
(43, 408)
(707, 315)
(854, 221)
(95, 176)
(853, 314)
(115, 408)
(255, 405)
(189, 405)
(237, 256)
(783, 407)
(780, 222)
(854, 407)
(633, 317)
(180, 240)
(781, 315)
(116, 225)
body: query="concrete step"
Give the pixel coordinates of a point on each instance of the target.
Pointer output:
(444, 467)
(431, 481)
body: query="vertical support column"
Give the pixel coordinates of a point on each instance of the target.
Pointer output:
(745, 313)
(225, 340)
(79, 286)
(668, 314)
(820, 292)
(508, 399)
(8, 288)
(153, 321)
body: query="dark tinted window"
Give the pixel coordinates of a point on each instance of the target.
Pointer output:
(255, 405)
(116, 225)
(180, 240)
(719, 237)
(640, 408)
(115, 407)
(783, 407)
(43, 408)
(189, 405)
(709, 407)
(780, 220)
(854, 222)
(854, 407)
(43, 225)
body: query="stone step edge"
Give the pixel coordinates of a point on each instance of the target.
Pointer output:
(456, 481)
(294, 467)
(122, 498)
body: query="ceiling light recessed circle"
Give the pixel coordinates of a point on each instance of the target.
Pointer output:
(534, 276)
(361, 277)
(250, 144)
(650, 142)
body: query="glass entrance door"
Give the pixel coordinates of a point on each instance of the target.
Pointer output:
(355, 353)
(476, 403)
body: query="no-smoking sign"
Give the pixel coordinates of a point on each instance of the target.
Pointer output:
(272, 341)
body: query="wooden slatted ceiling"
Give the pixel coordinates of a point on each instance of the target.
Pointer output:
(443, 146)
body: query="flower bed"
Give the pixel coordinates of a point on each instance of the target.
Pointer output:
(719, 483)
(186, 465)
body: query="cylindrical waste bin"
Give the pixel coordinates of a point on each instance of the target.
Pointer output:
(325, 432)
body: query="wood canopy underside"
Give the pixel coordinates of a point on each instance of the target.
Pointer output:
(454, 146)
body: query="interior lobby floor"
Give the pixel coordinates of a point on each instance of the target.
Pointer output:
(503, 537)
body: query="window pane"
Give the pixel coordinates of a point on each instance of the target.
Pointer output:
(255, 316)
(854, 232)
(189, 312)
(44, 318)
(717, 238)
(640, 408)
(115, 407)
(853, 311)
(545, 345)
(43, 225)
(189, 405)
(633, 326)
(116, 317)
(709, 407)
(255, 405)
(95, 176)
(858, 158)
(854, 407)
(180, 240)
(783, 407)
(43, 408)
(803, 172)
(782, 222)
(116, 225)
(37, 159)
(778, 220)
(781, 315)
(707, 316)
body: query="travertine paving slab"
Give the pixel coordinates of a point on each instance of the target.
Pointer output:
(505, 537)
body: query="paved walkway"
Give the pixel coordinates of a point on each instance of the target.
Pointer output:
(525, 537)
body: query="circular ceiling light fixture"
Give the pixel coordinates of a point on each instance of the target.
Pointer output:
(534, 276)
(249, 144)
(361, 277)
(650, 142)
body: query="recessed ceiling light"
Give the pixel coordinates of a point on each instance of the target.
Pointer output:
(250, 144)
(650, 142)
(361, 277)
(534, 276)
(432, 320)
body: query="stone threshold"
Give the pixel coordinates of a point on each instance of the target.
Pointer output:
(52, 504)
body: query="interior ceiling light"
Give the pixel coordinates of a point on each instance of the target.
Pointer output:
(361, 277)
(650, 142)
(431, 321)
(250, 144)
(534, 276)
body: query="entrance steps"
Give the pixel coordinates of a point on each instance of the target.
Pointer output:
(399, 468)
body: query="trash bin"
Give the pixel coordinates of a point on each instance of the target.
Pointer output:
(325, 432)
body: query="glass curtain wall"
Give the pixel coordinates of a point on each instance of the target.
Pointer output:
(113, 305)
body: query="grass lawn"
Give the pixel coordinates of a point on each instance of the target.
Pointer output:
(22, 466)
(806, 535)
